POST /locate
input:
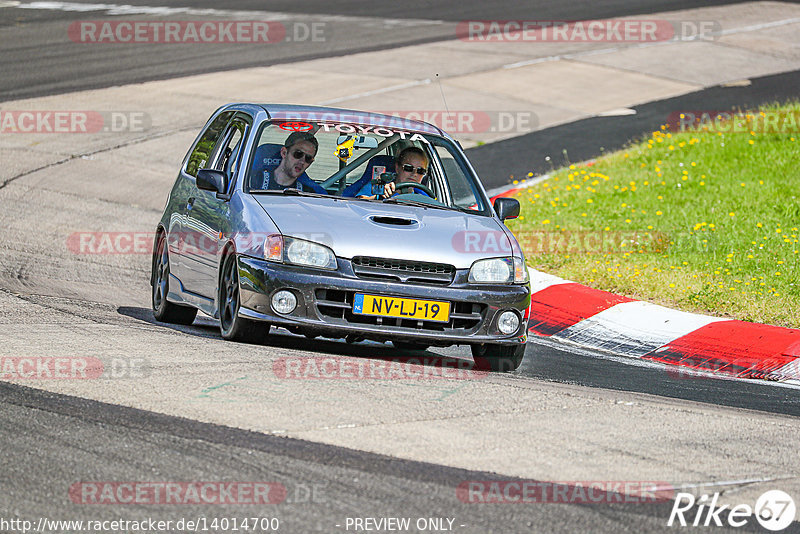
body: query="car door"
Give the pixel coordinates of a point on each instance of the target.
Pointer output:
(183, 194)
(208, 214)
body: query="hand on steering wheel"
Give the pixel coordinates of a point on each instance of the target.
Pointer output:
(414, 185)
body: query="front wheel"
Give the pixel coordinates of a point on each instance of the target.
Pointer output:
(498, 358)
(232, 326)
(164, 310)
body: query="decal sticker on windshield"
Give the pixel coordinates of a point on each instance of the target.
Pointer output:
(375, 130)
(344, 151)
(296, 126)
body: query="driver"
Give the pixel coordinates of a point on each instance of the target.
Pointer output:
(411, 165)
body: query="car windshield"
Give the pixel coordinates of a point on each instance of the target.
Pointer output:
(356, 161)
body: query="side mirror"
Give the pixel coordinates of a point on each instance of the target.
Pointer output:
(506, 208)
(211, 180)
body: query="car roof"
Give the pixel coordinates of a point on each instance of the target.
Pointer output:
(312, 113)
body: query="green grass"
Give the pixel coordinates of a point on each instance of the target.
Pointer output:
(702, 221)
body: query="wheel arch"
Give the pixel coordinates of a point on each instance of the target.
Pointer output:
(160, 231)
(228, 249)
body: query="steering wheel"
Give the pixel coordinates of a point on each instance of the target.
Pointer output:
(414, 185)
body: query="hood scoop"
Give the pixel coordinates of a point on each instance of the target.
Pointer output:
(393, 221)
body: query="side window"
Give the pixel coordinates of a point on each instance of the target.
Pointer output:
(205, 146)
(227, 157)
(462, 190)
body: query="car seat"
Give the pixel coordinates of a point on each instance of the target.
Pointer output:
(363, 186)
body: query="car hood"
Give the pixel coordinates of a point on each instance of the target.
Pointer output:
(361, 228)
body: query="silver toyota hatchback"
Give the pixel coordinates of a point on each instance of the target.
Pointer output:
(340, 224)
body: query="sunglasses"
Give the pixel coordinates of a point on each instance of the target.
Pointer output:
(422, 171)
(298, 154)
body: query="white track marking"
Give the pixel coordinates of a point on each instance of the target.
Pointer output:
(540, 280)
(407, 85)
(578, 55)
(634, 328)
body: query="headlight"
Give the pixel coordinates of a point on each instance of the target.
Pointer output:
(310, 254)
(498, 271)
(298, 252)
(492, 271)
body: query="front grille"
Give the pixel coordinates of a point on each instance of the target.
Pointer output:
(336, 306)
(403, 270)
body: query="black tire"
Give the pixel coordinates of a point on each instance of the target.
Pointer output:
(164, 310)
(409, 345)
(233, 327)
(498, 358)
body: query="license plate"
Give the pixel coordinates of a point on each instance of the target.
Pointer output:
(423, 310)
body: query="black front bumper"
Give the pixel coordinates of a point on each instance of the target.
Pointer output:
(325, 305)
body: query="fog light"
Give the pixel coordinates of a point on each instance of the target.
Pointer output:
(284, 301)
(508, 322)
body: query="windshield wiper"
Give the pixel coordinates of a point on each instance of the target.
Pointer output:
(418, 203)
(289, 191)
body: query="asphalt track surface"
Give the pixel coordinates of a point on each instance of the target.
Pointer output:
(325, 484)
(50, 441)
(38, 58)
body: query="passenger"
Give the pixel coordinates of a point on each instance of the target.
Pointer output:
(297, 154)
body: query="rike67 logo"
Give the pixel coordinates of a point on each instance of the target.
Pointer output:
(774, 510)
